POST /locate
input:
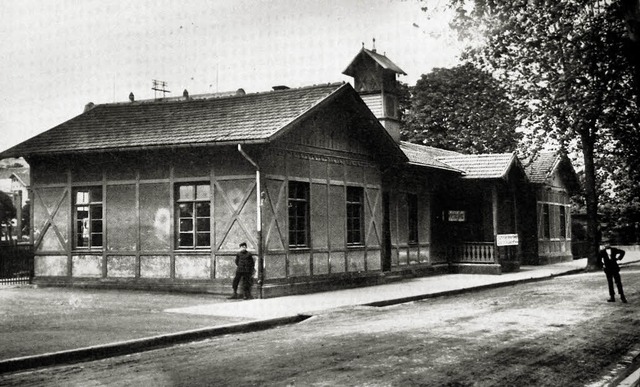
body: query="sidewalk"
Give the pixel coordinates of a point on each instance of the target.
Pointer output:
(381, 295)
(259, 314)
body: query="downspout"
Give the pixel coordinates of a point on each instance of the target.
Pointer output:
(258, 219)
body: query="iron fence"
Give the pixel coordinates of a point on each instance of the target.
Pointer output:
(16, 262)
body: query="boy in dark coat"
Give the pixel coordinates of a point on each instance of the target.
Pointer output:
(608, 258)
(245, 264)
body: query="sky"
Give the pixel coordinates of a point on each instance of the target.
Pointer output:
(58, 55)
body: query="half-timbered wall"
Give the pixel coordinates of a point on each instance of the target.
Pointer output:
(407, 250)
(327, 154)
(554, 224)
(139, 214)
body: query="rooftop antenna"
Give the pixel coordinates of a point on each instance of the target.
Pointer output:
(159, 86)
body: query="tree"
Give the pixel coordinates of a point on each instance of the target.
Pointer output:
(462, 109)
(7, 209)
(565, 65)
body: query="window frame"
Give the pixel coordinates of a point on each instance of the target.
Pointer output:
(546, 221)
(298, 221)
(194, 217)
(412, 219)
(355, 207)
(91, 220)
(563, 222)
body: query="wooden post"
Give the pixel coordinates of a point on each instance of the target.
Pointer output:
(18, 204)
(494, 202)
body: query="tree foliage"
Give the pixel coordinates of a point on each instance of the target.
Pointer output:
(7, 209)
(567, 67)
(462, 109)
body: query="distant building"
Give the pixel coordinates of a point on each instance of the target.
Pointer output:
(15, 183)
(552, 180)
(158, 194)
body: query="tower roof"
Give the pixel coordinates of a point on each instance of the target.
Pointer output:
(381, 60)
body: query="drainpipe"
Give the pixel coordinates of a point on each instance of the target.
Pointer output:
(258, 219)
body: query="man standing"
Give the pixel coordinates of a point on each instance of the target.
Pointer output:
(608, 258)
(245, 267)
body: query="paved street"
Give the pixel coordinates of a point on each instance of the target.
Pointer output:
(555, 332)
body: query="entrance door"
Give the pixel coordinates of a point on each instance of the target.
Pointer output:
(386, 233)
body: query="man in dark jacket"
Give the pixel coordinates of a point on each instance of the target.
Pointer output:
(608, 258)
(245, 267)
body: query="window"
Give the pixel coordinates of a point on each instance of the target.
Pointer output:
(390, 106)
(193, 215)
(298, 214)
(546, 221)
(354, 216)
(563, 222)
(412, 217)
(88, 217)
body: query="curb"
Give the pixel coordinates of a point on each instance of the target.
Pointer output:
(631, 376)
(496, 285)
(139, 345)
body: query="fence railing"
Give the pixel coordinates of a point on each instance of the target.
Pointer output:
(15, 281)
(16, 260)
(472, 252)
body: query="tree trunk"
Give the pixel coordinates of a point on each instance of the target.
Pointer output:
(591, 197)
(631, 15)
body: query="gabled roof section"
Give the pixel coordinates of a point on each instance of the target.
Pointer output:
(22, 175)
(544, 165)
(541, 166)
(382, 60)
(426, 156)
(482, 166)
(250, 118)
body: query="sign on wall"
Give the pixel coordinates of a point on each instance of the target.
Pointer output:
(507, 239)
(456, 216)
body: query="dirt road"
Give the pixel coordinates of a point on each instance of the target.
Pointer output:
(559, 332)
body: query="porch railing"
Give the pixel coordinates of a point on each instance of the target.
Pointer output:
(472, 252)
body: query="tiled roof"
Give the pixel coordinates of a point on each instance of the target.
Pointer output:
(382, 60)
(426, 156)
(179, 122)
(541, 166)
(545, 164)
(483, 166)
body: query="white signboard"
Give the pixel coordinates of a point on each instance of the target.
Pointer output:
(456, 216)
(507, 239)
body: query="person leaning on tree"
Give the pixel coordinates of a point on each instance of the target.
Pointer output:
(245, 267)
(608, 258)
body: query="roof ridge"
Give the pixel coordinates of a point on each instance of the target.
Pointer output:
(198, 97)
(469, 155)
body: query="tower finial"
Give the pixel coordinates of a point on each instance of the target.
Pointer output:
(363, 45)
(374, 45)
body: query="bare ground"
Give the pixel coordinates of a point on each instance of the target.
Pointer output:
(559, 332)
(40, 320)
